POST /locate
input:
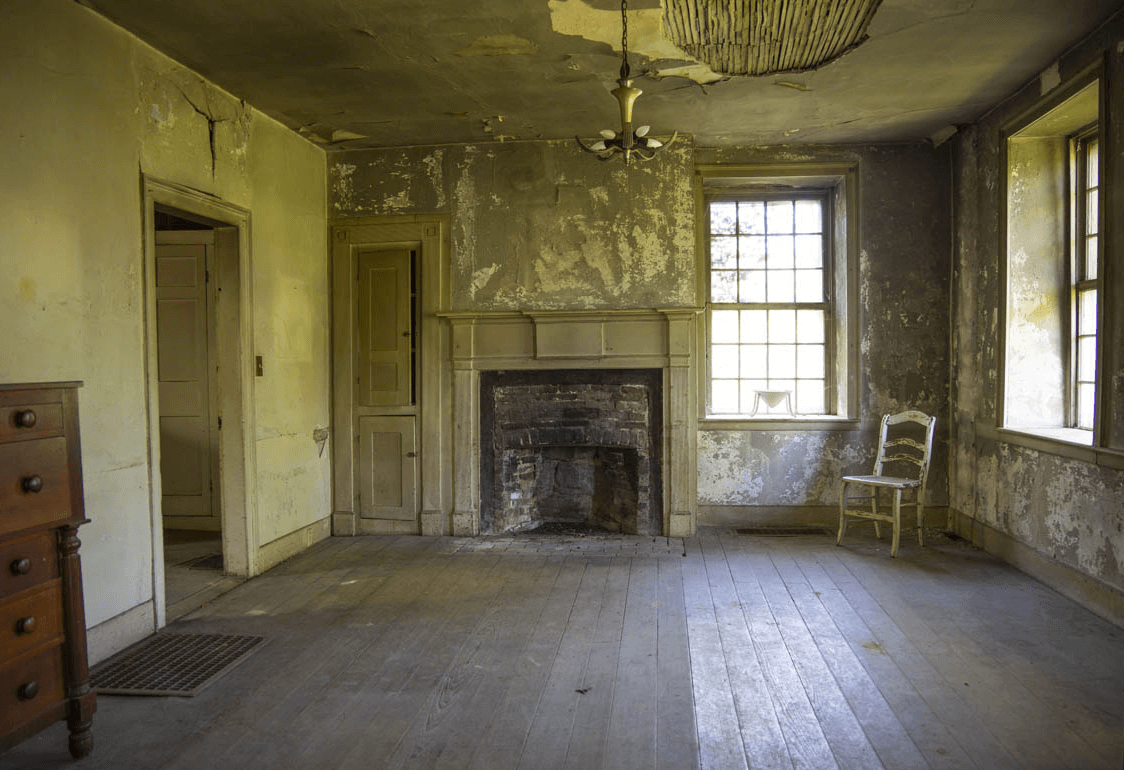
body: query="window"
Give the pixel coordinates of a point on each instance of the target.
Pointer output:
(1053, 240)
(776, 251)
(1086, 227)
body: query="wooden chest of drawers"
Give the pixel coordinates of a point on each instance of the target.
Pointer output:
(44, 675)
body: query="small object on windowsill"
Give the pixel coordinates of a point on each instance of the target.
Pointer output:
(772, 399)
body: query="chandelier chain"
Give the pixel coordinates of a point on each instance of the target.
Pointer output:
(624, 39)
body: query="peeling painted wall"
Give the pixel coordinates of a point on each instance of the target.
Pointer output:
(88, 109)
(1061, 508)
(539, 225)
(902, 333)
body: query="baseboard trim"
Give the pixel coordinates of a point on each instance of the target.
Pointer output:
(791, 516)
(276, 551)
(117, 633)
(1095, 595)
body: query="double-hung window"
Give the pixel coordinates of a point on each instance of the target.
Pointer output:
(1086, 236)
(777, 281)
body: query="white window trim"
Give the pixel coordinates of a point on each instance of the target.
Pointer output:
(843, 179)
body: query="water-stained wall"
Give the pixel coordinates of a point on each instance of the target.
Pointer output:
(1053, 508)
(540, 225)
(88, 109)
(902, 333)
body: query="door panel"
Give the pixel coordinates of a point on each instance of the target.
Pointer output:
(384, 328)
(387, 468)
(183, 354)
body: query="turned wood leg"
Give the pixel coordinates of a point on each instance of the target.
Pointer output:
(897, 524)
(842, 517)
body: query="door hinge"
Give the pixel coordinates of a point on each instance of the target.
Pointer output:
(206, 276)
(220, 422)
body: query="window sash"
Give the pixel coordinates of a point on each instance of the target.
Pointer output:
(1084, 284)
(799, 355)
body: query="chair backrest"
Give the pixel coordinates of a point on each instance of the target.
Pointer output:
(907, 456)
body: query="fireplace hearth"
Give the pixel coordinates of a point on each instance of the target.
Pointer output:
(571, 447)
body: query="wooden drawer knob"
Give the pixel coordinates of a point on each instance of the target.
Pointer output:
(25, 625)
(25, 418)
(32, 484)
(20, 566)
(28, 690)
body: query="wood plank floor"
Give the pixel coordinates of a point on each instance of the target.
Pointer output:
(721, 651)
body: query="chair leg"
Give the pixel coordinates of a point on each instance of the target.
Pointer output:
(897, 523)
(920, 523)
(874, 510)
(842, 516)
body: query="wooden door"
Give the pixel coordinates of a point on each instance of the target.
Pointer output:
(184, 359)
(385, 335)
(387, 468)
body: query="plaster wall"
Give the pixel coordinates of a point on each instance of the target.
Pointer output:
(87, 110)
(543, 226)
(1059, 504)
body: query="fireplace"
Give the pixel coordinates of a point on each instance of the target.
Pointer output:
(571, 446)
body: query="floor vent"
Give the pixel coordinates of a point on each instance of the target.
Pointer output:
(172, 664)
(782, 531)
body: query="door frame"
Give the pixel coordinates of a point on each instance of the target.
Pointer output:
(235, 381)
(429, 234)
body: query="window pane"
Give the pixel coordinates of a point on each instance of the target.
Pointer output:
(754, 326)
(1091, 257)
(810, 397)
(724, 361)
(723, 286)
(724, 326)
(810, 361)
(1087, 312)
(780, 217)
(1092, 168)
(782, 326)
(809, 218)
(782, 361)
(781, 288)
(1085, 406)
(1086, 359)
(752, 217)
(754, 361)
(780, 251)
(1091, 212)
(724, 253)
(723, 217)
(752, 254)
(724, 396)
(809, 251)
(809, 326)
(752, 286)
(809, 285)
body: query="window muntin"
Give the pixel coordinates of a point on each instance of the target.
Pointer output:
(1084, 294)
(769, 303)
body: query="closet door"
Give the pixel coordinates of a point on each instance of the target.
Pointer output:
(388, 468)
(385, 334)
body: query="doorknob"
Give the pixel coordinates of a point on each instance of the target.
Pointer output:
(411, 454)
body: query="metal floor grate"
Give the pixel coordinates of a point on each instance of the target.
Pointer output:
(172, 664)
(783, 531)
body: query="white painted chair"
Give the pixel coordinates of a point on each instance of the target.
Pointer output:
(905, 446)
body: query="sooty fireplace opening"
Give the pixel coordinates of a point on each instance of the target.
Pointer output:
(572, 447)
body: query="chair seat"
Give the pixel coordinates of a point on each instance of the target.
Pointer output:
(891, 482)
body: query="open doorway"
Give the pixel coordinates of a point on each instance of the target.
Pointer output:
(189, 421)
(199, 377)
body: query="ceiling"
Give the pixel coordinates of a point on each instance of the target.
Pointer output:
(376, 73)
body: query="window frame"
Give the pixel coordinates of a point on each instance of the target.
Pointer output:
(1079, 281)
(1049, 117)
(838, 182)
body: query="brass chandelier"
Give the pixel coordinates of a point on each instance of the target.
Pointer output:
(626, 142)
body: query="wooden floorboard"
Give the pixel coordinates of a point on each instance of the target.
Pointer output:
(721, 652)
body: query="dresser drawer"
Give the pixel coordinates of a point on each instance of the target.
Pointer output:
(29, 686)
(27, 466)
(19, 422)
(28, 561)
(30, 619)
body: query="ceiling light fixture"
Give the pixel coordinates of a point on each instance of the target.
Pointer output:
(625, 142)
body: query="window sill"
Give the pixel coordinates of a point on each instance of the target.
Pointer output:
(1065, 442)
(775, 423)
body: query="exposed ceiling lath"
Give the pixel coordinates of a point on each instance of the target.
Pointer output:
(761, 37)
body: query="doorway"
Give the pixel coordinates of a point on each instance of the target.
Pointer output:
(200, 397)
